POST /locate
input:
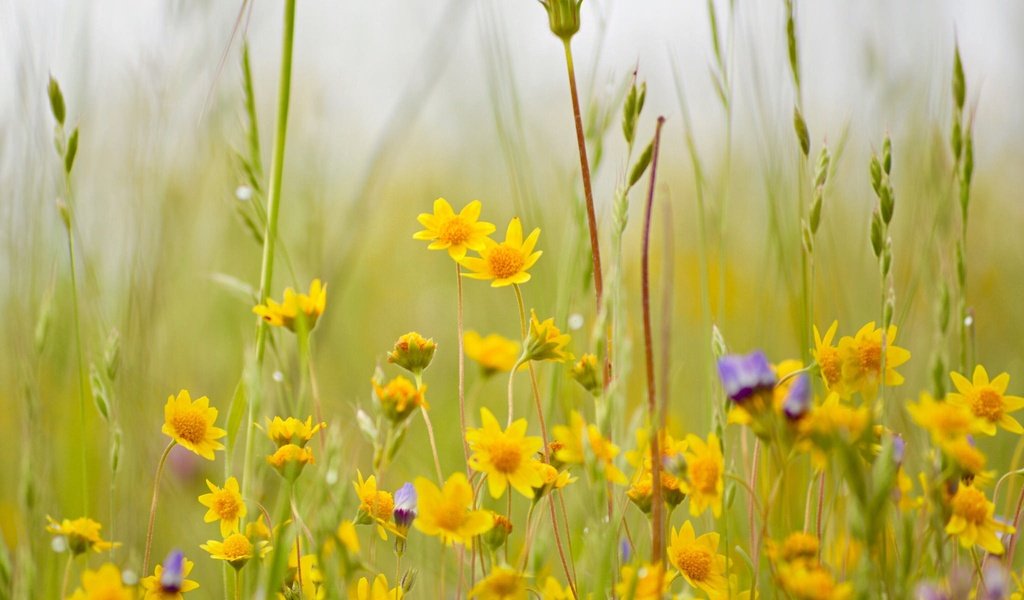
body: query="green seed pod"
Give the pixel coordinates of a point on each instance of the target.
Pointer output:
(808, 237)
(821, 170)
(965, 197)
(794, 63)
(115, 449)
(100, 394)
(943, 312)
(876, 233)
(887, 258)
(112, 354)
(800, 126)
(563, 17)
(641, 164)
(72, 150)
(56, 100)
(958, 79)
(815, 215)
(887, 155)
(876, 175)
(886, 202)
(889, 309)
(43, 322)
(961, 268)
(65, 213)
(968, 156)
(955, 137)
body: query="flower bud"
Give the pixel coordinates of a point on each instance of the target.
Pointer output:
(412, 352)
(585, 372)
(563, 17)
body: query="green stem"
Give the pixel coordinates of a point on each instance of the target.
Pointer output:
(67, 574)
(82, 378)
(152, 506)
(462, 373)
(270, 235)
(430, 433)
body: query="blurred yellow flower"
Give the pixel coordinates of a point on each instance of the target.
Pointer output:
(378, 590)
(292, 430)
(827, 357)
(447, 513)
(399, 397)
(648, 582)
(705, 470)
(803, 581)
(553, 590)
(569, 440)
(698, 560)
(236, 549)
(348, 537)
(310, 306)
(224, 504)
(502, 584)
(258, 530)
(945, 421)
(455, 233)
(988, 400)
(190, 424)
(972, 521)
(862, 360)
(82, 534)
(308, 577)
(495, 353)
(506, 263)
(587, 373)
(605, 452)
(374, 505)
(545, 341)
(290, 459)
(506, 457)
(168, 581)
(103, 584)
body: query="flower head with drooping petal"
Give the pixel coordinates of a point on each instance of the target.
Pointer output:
(826, 355)
(546, 341)
(224, 504)
(987, 400)
(506, 457)
(447, 512)
(506, 263)
(972, 521)
(698, 560)
(190, 424)
(168, 581)
(399, 397)
(82, 534)
(285, 314)
(946, 420)
(453, 232)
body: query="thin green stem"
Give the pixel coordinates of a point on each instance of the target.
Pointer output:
(67, 574)
(152, 506)
(238, 584)
(430, 432)
(270, 235)
(462, 371)
(82, 377)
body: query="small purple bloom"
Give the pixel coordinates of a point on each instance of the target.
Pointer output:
(745, 375)
(997, 582)
(405, 505)
(899, 448)
(171, 576)
(625, 551)
(798, 399)
(930, 591)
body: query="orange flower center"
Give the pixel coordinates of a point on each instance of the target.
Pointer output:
(870, 356)
(450, 516)
(704, 474)
(951, 419)
(505, 455)
(694, 562)
(987, 404)
(380, 505)
(225, 505)
(800, 545)
(455, 231)
(505, 261)
(236, 546)
(504, 584)
(970, 504)
(831, 368)
(190, 425)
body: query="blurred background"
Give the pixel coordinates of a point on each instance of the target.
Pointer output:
(397, 103)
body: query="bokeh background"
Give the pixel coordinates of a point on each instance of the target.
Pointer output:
(397, 103)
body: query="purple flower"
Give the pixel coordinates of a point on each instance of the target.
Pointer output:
(745, 375)
(405, 506)
(171, 576)
(798, 399)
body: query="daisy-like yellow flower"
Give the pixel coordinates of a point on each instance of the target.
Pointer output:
(103, 584)
(648, 582)
(378, 590)
(829, 362)
(455, 233)
(494, 353)
(862, 359)
(82, 534)
(399, 398)
(190, 424)
(803, 581)
(506, 457)
(505, 263)
(169, 580)
(502, 584)
(545, 341)
(285, 314)
(292, 431)
(945, 421)
(797, 547)
(972, 522)
(375, 506)
(446, 512)
(258, 530)
(224, 504)
(704, 475)
(698, 560)
(553, 590)
(236, 549)
(290, 459)
(987, 400)
(553, 479)
(605, 452)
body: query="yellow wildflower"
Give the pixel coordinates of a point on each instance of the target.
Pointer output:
(502, 584)
(446, 512)
(553, 590)
(587, 373)
(290, 459)
(224, 504)
(803, 581)
(495, 353)
(704, 475)
(829, 361)
(374, 505)
(378, 590)
(305, 574)
(862, 359)
(103, 584)
(648, 582)
(605, 451)
(545, 341)
(413, 352)
(236, 549)
(988, 400)
(82, 534)
(455, 233)
(168, 581)
(698, 560)
(348, 537)
(399, 397)
(310, 306)
(943, 420)
(506, 457)
(972, 520)
(190, 424)
(506, 263)
(570, 440)
(292, 430)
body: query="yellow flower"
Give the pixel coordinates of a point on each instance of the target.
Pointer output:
(290, 459)
(168, 581)
(82, 534)
(310, 305)
(904, 487)
(605, 451)
(399, 397)
(413, 352)
(552, 478)
(972, 520)
(236, 549)
(506, 457)
(641, 491)
(103, 584)
(988, 400)
(190, 424)
(495, 353)
(306, 577)
(797, 547)
(698, 560)
(546, 341)
(862, 359)
(803, 581)
(455, 233)
(505, 263)
(225, 504)
(649, 582)
(967, 456)
(553, 590)
(945, 421)
(446, 512)
(378, 590)
(292, 431)
(704, 474)
(569, 440)
(374, 505)
(587, 373)
(502, 584)
(348, 537)
(829, 361)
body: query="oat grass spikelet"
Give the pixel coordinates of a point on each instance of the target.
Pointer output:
(987, 400)
(455, 233)
(310, 306)
(506, 457)
(446, 512)
(103, 584)
(225, 505)
(190, 424)
(698, 560)
(506, 263)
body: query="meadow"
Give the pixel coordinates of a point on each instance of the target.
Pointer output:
(550, 299)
